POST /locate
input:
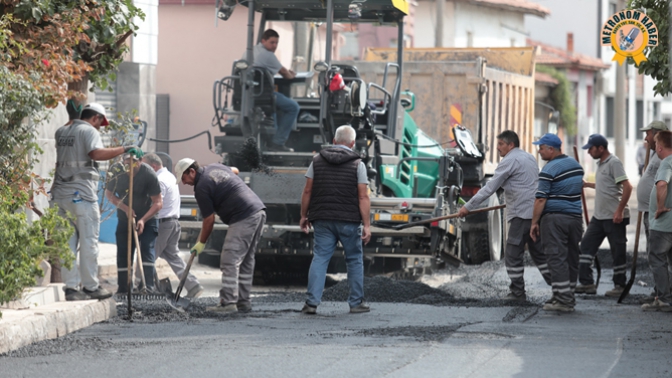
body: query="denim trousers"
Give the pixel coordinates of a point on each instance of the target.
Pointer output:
(286, 111)
(327, 235)
(147, 253)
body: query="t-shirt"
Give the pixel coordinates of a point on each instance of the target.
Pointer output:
(75, 170)
(218, 190)
(266, 59)
(609, 188)
(170, 194)
(561, 182)
(362, 178)
(646, 183)
(664, 222)
(145, 185)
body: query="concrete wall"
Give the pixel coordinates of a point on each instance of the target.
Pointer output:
(136, 90)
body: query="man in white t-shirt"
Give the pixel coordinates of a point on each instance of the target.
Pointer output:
(286, 109)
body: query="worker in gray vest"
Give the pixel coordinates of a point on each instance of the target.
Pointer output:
(612, 215)
(335, 201)
(75, 191)
(518, 175)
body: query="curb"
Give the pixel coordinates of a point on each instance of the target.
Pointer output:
(19, 328)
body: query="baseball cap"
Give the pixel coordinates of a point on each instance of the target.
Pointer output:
(182, 166)
(596, 140)
(550, 140)
(655, 125)
(100, 109)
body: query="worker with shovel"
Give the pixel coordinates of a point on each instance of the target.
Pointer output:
(612, 215)
(219, 190)
(518, 175)
(75, 191)
(147, 202)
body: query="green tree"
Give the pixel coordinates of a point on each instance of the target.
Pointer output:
(656, 64)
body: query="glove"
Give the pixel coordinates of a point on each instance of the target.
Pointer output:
(198, 248)
(133, 150)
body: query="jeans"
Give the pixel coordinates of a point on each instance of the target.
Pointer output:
(327, 235)
(286, 111)
(147, 241)
(87, 227)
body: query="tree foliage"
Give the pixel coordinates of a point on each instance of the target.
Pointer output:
(656, 64)
(561, 96)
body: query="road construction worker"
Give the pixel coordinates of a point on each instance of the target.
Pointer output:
(147, 202)
(557, 220)
(517, 173)
(75, 191)
(335, 201)
(218, 190)
(168, 238)
(660, 221)
(646, 183)
(612, 215)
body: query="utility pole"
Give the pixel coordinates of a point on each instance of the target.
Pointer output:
(619, 105)
(438, 37)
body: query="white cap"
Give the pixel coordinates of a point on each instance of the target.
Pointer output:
(182, 166)
(100, 109)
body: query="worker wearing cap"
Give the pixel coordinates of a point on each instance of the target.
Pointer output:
(518, 175)
(75, 188)
(646, 184)
(612, 215)
(147, 202)
(219, 190)
(557, 220)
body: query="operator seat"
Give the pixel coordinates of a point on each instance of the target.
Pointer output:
(263, 90)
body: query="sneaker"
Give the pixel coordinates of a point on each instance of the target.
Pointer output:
(310, 310)
(307, 117)
(75, 295)
(615, 292)
(657, 305)
(511, 297)
(586, 289)
(194, 292)
(648, 299)
(99, 293)
(362, 307)
(557, 306)
(244, 307)
(279, 148)
(223, 309)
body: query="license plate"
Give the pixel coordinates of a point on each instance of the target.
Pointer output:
(188, 212)
(391, 217)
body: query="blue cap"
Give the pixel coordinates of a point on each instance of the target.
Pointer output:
(550, 140)
(596, 140)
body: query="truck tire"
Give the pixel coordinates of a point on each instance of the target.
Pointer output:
(486, 244)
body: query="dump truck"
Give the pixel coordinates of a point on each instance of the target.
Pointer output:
(419, 167)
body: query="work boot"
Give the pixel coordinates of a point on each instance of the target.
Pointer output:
(586, 289)
(551, 300)
(308, 309)
(657, 305)
(557, 306)
(223, 309)
(648, 299)
(511, 297)
(244, 307)
(75, 295)
(360, 308)
(99, 293)
(194, 292)
(615, 292)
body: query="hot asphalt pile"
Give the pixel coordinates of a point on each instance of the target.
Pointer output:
(248, 158)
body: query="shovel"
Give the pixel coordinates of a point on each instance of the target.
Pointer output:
(176, 302)
(430, 220)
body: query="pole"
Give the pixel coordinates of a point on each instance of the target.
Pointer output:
(619, 105)
(438, 33)
(129, 281)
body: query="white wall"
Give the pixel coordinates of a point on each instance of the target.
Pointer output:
(489, 27)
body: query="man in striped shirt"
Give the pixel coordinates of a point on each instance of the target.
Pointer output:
(612, 215)
(557, 220)
(517, 174)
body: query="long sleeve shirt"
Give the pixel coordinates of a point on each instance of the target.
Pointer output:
(517, 174)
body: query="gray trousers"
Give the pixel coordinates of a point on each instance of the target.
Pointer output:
(560, 236)
(660, 259)
(237, 259)
(167, 248)
(519, 236)
(597, 230)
